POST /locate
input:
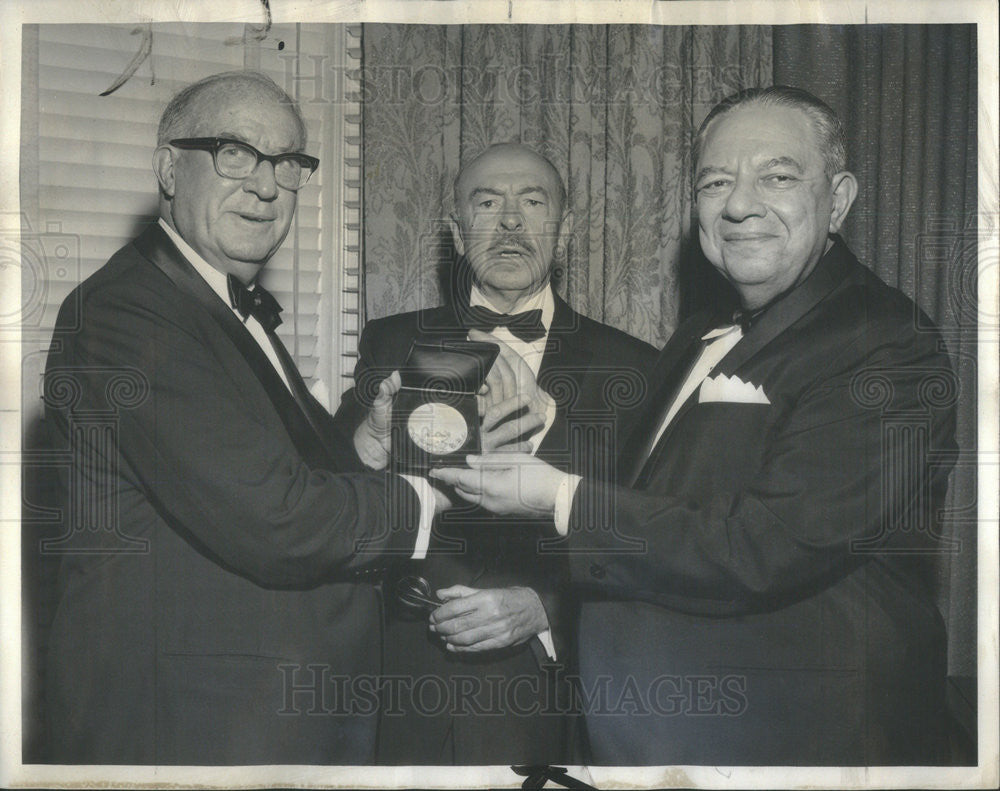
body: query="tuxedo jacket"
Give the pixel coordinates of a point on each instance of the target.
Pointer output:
(759, 593)
(597, 376)
(215, 572)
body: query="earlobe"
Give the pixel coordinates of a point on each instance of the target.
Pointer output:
(845, 190)
(163, 167)
(456, 235)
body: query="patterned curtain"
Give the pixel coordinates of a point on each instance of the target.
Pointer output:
(613, 107)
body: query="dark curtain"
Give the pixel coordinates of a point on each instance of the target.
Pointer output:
(908, 94)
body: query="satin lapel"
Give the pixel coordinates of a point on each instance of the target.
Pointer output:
(828, 274)
(156, 246)
(564, 364)
(566, 348)
(667, 377)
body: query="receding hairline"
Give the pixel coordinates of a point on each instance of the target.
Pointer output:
(824, 123)
(498, 149)
(182, 114)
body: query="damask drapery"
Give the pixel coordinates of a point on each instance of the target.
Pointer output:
(613, 107)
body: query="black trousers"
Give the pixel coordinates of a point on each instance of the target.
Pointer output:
(497, 708)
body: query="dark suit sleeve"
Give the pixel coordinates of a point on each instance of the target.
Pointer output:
(832, 472)
(554, 595)
(212, 456)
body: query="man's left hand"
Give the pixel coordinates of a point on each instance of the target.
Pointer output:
(510, 376)
(474, 620)
(506, 483)
(372, 439)
(501, 432)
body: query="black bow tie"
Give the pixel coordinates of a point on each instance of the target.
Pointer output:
(747, 318)
(527, 326)
(258, 303)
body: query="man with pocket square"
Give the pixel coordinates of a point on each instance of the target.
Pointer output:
(758, 592)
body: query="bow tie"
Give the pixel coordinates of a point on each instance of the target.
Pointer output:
(258, 303)
(747, 318)
(527, 326)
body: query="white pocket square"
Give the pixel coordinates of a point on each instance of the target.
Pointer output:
(731, 389)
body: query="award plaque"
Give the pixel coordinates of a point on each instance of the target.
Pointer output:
(435, 419)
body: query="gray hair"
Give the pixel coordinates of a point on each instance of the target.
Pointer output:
(179, 119)
(825, 123)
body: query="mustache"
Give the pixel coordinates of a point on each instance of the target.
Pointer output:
(512, 241)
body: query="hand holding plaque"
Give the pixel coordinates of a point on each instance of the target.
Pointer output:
(435, 417)
(372, 439)
(511, 378)
(513, 484)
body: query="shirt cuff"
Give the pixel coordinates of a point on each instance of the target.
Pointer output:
(564, 502)
(545, 638)
(425, 494)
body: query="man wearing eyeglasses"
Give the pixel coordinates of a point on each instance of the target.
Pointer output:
(220, 581)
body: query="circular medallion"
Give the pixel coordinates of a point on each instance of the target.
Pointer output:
(437, 428)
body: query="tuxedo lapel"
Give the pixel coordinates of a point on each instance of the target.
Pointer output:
(829, 273)
(564, 364)
(666, 379)
(565, 344)
(156, 246)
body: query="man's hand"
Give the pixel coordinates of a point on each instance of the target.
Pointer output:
(474, 620)
(501, 433)
(510, 376)
(506, 483)
(372, 440)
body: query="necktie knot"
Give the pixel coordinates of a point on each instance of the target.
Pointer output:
(527, 325)
(259, 303)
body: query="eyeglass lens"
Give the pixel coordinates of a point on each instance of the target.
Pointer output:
(238, 161)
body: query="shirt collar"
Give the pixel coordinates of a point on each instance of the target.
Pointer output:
(217, 280)
(543, 301)
(718, 332)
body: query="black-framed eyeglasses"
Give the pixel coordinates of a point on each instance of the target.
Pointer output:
(235, 159)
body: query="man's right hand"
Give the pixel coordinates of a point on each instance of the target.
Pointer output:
(506, 483)
(372, 440)
(510, 386)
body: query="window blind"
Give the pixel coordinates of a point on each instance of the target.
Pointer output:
(340, 317)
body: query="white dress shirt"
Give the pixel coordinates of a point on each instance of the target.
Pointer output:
(219, 283)
(718, 343)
